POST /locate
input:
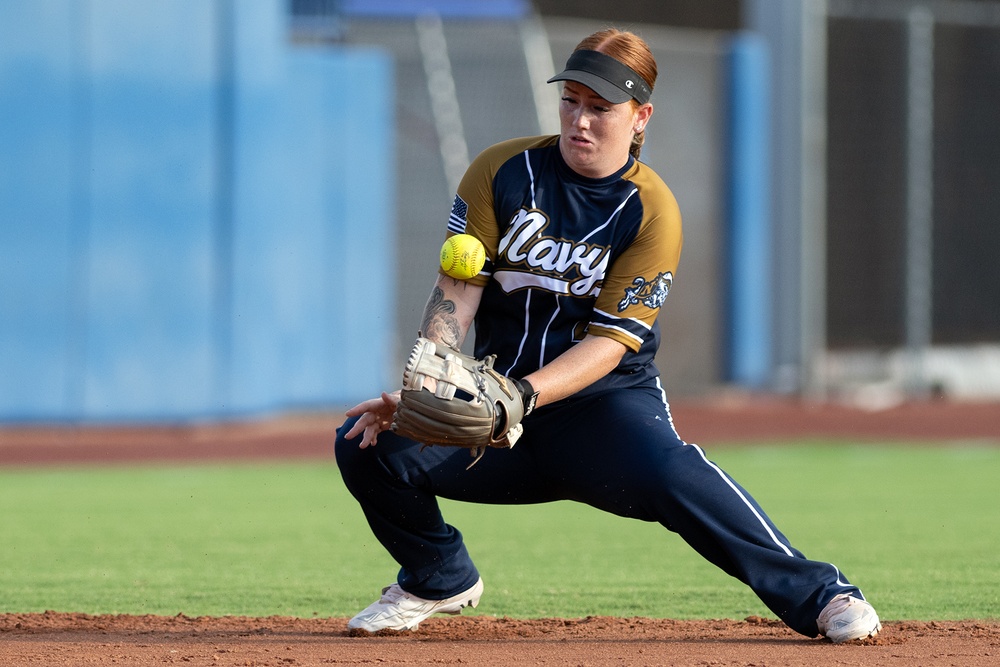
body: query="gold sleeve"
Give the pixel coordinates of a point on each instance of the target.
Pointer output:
(640, 278)
(475, 197)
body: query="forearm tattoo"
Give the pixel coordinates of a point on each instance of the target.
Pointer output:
(440, 323)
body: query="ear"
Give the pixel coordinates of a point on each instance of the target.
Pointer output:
(642, 115)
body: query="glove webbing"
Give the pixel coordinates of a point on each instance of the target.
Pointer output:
(444, 366)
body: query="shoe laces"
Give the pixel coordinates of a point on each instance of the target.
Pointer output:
(393, 594)
(835, 606)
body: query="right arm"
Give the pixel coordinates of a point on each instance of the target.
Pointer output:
(450, 310)
(447, 319)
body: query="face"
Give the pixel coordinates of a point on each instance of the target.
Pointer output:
(595, 135)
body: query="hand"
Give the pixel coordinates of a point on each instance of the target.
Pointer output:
(376, 416)
(471, 406)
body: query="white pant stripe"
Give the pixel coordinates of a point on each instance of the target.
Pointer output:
(721, 474)
(743, 498)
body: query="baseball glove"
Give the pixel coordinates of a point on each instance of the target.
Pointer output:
(467, 403)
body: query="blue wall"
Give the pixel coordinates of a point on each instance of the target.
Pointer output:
(196, 218)
(749, 289)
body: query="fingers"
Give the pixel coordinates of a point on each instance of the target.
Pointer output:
(365, 406)
(358, 427)
(375, 404)
(371, 424)
(375, 416)
(371, 431)
(371, 437)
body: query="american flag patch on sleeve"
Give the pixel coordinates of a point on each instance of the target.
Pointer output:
(459, 216)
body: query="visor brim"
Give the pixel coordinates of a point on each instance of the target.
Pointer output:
(609, 91)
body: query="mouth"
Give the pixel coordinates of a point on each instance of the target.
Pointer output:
(577, 140)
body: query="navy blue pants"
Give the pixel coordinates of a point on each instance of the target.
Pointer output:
(616, 451)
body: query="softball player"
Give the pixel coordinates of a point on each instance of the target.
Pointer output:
(583, 242)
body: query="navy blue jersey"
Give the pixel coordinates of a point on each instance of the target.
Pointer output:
(567, 255)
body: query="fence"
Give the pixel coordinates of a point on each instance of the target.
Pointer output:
(913, 281)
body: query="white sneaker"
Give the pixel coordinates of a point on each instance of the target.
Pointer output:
(399, 610)
(845, 618)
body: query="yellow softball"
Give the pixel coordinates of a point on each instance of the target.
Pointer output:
(462, 256)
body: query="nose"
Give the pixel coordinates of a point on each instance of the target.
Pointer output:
(581, 120)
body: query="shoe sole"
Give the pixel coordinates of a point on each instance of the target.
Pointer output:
(857, 638)
(471, 602)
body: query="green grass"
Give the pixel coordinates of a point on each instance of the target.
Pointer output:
(918, 528)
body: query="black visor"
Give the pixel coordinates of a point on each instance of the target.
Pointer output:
(606, 76)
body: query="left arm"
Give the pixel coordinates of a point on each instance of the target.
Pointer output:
(448, 317)
(576, 368)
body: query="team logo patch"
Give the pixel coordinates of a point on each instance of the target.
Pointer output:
(650, 293)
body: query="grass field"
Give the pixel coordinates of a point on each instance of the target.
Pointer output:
(917, 527)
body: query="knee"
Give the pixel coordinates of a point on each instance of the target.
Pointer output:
(388, 459)
(347, 451)
(673, 471)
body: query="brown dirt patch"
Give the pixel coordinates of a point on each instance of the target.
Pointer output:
(79, 639)
(726, 419)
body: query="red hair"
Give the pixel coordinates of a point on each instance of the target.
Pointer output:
(631, 50)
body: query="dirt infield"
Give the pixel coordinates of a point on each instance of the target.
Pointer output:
(73, 639)
(78, 639)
